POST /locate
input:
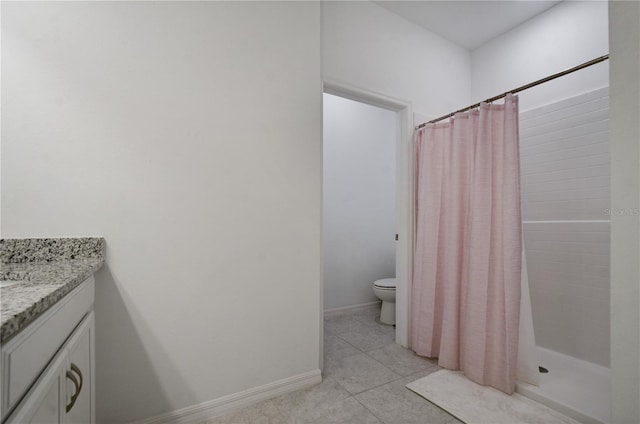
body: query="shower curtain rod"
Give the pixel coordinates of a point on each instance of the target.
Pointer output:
(521, 88)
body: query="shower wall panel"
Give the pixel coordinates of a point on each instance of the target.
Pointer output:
(565, 198)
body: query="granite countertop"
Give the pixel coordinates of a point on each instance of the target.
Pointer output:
(46, 270)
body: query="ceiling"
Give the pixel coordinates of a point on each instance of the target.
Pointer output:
(469, 24)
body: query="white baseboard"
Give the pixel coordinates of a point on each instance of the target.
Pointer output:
(336, 311)
(216, 407)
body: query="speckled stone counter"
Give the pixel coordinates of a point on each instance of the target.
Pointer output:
(46, 270)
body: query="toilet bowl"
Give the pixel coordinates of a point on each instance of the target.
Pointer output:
(385, 290)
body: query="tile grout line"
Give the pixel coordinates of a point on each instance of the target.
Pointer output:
(376, 360)
(429, 365)
(374, 387)
(347, 342)
(370, 411)
(378, 386)
(391, 381)
(371, 357)
(453, 418)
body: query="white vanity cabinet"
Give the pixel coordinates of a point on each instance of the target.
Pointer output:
(48, 368)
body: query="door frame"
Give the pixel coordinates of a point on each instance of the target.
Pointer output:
(404, 199)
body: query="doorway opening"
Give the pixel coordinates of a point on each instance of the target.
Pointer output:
(392, 218)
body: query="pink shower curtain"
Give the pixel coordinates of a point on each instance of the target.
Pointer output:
(466, 279)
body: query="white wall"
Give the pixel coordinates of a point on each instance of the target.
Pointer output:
(369, 47)
(566, 35)
(624, 18)
(359, 201)
(188, 134)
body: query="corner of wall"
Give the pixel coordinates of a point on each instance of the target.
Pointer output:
(624, 18)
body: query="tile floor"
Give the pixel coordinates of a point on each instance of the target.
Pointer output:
(364, 380)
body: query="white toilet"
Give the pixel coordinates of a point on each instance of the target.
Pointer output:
(385, 290)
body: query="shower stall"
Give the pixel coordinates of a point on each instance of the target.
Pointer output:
(565, 205)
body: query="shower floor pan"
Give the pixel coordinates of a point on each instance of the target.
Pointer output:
(573, 387)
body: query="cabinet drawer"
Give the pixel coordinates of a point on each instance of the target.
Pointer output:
(27, 355)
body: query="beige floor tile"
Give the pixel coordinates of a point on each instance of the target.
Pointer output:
(289, 408)
(400, 360)
(342, 324)
(368, 314)
(357, 321)
(367, 338)
(393, 403)
(359, 372)
(318, 398)
(336, 348)
(348, 411)
(388, 329)
(266, 412)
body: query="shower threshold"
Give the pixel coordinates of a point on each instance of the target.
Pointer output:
(576, 388)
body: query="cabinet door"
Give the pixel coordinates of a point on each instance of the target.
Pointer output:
(25, 357)
(45, 403)
(79, 403)
(49, 409)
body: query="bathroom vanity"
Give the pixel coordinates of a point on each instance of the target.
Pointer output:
(47, 330)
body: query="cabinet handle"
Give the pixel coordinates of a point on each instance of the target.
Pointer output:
(76, 383)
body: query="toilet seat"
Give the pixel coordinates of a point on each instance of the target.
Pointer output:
(385, 284)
